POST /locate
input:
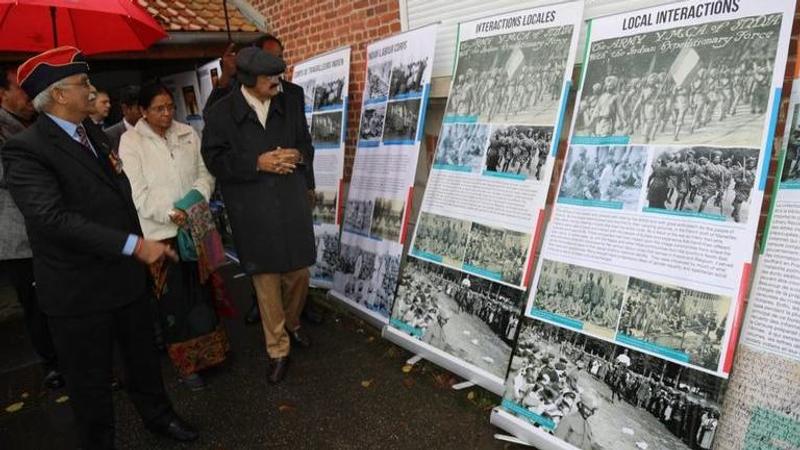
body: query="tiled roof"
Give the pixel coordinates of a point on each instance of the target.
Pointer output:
(195, 15)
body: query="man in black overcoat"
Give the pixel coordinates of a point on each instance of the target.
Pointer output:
(257, 145)
(227, 84)
(88, 252)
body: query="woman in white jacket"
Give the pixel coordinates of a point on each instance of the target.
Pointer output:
(162, 159)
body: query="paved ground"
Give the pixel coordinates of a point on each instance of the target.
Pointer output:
(348, 391)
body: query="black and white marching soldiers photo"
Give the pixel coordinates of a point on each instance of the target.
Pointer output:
(387, 218)
(468, 317)
(324, 206)
(401, 121)
(408, 79)
(690, 322)
(615, 398)
(519, 150)
(461, 145)
(704, 180)
(371, 128)
(308, 92)
(377, 83)
(791, 162)
(327, 242)
(326, 129)
(515, 77)
(329, 94)
(442, 236)
(699, 84)
(358, 216)
(592, 296)
(604, 173)
(368, 276)
(497, 252)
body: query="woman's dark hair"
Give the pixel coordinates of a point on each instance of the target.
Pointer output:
(150, 90)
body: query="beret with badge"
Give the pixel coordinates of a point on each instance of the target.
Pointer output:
(44, 69)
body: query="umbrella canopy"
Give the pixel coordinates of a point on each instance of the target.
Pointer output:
(94, 26)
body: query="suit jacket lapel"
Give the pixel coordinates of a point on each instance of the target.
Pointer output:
(73, 149)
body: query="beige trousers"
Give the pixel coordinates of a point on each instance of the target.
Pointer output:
(281, 297)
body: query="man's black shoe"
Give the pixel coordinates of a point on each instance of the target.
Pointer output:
(300, 338)
(254, 315)
(53, 380)
(278, 368)
(313, 313)
(177, 430)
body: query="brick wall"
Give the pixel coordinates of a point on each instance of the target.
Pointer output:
(310, 27)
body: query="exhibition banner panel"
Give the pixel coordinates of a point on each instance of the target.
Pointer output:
(208, 76)
(325, 80)
(763, 401)
(381, 188)
(185, 90)
(463, 287)
(645, 265)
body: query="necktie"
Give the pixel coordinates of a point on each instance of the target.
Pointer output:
(84, 139)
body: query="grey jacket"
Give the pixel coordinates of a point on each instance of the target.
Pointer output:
(13, 239)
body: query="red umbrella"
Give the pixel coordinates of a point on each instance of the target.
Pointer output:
(94, 26)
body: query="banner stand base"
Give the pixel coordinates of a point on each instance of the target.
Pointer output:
(471, 373)
(524, 431)
(320, 284)
(369, 316)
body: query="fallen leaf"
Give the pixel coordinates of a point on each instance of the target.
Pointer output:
(471, 395)
(366, 383)
(407, 368)
(14, 407)
(25, 395)
(62, 399)
(371, 338)
(408, 382)
(284, 408)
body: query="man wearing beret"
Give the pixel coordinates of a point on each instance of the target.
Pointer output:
(258, 147)
(88, 253)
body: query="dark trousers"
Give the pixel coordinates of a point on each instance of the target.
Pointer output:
(85, 344)
(21, 274)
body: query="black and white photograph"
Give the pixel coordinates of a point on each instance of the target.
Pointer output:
(368, 277)
(377, 84)
(408, 78)
(497, 252)
(329, 94)
(519, 151)
(308, 92)
(326, 129)
(671, 317)
(681, 89)
(371, 128)
(461, 146)
(401, 121)
(387, 218)
(327, 242)
(324, 206)
(592, 296)
(468, 317)
(358, 216)
(442, 236)
(515, 77)
(791, 162)
(605, 174)
(703, 180)
(600, 395)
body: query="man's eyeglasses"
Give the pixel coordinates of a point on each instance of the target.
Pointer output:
(84, 83)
